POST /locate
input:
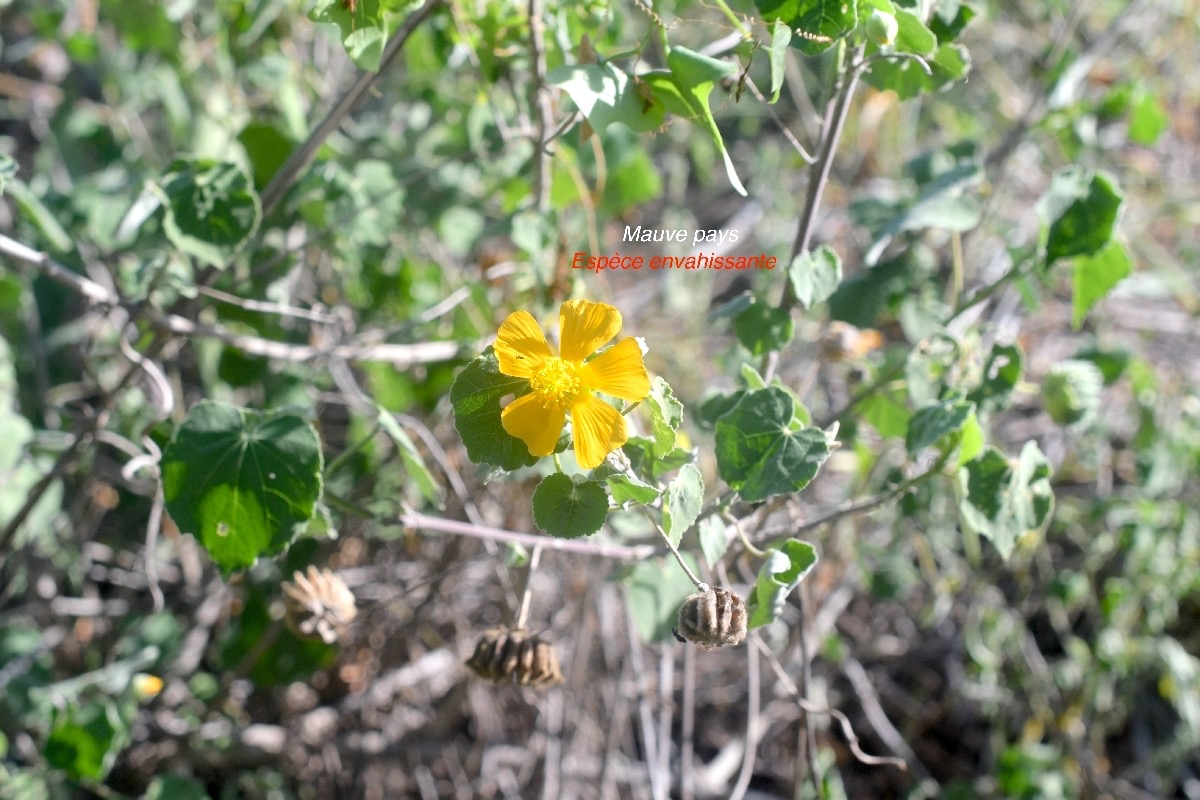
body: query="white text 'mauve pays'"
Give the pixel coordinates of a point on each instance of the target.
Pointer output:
(700, 236)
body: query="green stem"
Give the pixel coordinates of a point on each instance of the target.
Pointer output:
(341, 457)
(737, 524)
(737, 23)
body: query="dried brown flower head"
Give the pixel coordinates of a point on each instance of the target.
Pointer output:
(515, 656)
(712, 618)
(317, 606)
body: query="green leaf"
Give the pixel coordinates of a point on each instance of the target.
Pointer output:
(949, 63)
(414, 464)
(641, 453)
(20, 470)
(84, 740)
(713, 543)
(666, 413)
(654, 591)
(929, 425)
(761, 328)
(815, 275)
(971, 443)
(685, 497)
(1148, 120)
(760, 454)
(211, 209)
(914, 37)
(364, 30)
(949, 19)
(819, 23)
(476, 396)
(604, 94)
(1079, 209)
(32, 208)
(751, 377)
(886, 412)
(1004, 501)
(782, 572)
(943, 204)
(1112, 362)
(1001, 374)
(694, 75)
(629, 489)
(714, 407)
(288, 659)
(176, 787)
(8, 172)
(244, 482)
(268, 149)
(1095, 276)
(781, 35)
(1071, 392)
(568, 509)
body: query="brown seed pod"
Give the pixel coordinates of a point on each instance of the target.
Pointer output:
(712, 618)
(317, 606)
(504, 655)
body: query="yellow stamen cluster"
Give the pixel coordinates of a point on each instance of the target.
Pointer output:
(556, 383)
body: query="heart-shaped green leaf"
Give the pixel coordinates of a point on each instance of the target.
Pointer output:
(760, 450)
(244, 482)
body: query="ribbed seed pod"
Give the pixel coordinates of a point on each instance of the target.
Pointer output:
(712, 618)
(317, 606)
(504, 655)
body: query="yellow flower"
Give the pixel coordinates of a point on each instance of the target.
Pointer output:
(564, 382)
(146, 686)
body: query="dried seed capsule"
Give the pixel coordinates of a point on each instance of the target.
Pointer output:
(504, 655)
(317, 606)
(712, 618)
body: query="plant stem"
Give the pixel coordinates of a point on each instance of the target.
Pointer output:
(526, 597)
(879, 499)
(300, 157)
(700, 585)
(831, 132)
(737, 23)
(737, 525)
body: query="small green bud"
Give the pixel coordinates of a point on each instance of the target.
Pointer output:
(882, 27)
(1071, 391)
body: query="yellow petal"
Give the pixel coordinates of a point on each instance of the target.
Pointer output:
(533, 423)
(598, 429)
(618, 372)
(520, 345)
(584, 327)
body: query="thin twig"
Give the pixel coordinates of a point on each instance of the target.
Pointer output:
(614, 551)
(687, 787)
(783, 128)
(753, 680)
(154, 526)
(527, 595)
(877, 500)
(541, 100)
(700, 585)
(400, 355)
(810, 724)
(875, 714)
(650, 743)
(843, 720)
(264, 307)
(831, 134)
(300, 157)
